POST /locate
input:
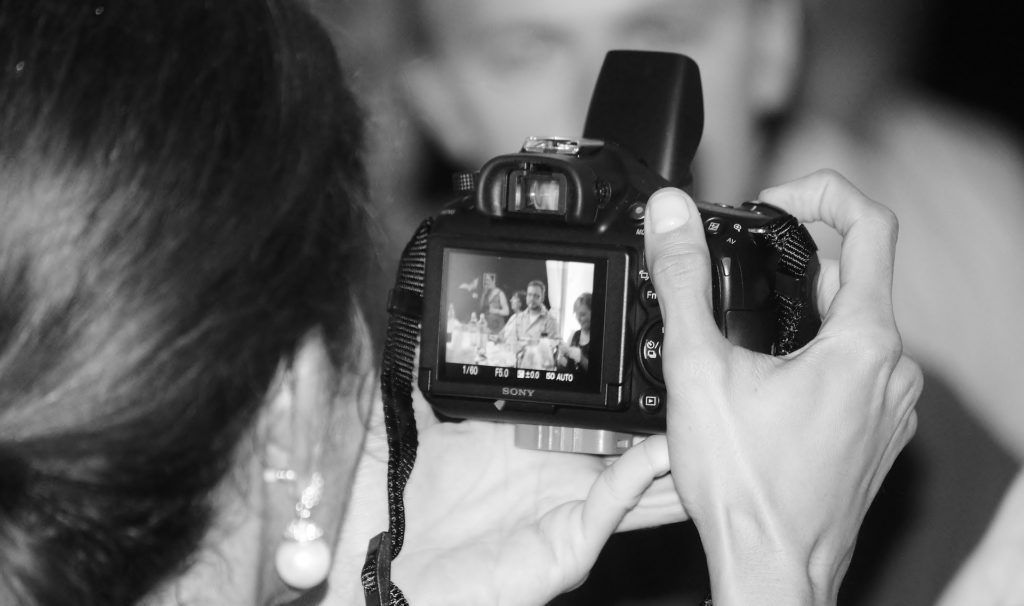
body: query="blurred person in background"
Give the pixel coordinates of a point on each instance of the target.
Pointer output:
(493, 303)
(517, 302)
(789, 87)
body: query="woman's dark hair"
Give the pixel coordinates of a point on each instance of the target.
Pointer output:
(521, 295)
(584, 299)
(182, 199)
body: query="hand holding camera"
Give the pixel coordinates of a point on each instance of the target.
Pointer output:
(702, 325)
(778, 458)
(489, 523)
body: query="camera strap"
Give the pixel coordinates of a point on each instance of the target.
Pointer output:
(405, 310)
(797, 266)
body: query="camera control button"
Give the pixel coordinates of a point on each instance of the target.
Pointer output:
(643, 274)
(650, 401)
(650, 350)
(648, 296)
(602, 192)
(763, 209)
(637, 211)
(725, 266)
(714, 226)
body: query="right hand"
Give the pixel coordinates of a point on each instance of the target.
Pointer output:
(777, 459)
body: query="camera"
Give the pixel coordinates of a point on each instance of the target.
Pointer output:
(538, 308)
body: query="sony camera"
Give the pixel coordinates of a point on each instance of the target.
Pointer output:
(538, 308)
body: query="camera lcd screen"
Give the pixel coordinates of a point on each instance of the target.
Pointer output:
(521, 320)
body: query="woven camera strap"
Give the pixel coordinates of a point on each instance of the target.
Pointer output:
(405, 307)
(797, 264)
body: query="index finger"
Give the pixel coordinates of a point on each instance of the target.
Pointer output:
(869, 232)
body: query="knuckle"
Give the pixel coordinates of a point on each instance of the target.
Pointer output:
(911, 426)
(616, 489)
(829, 176)
(695, 364)
(883, 220)
(827, 180)
(679, 262)
(916, 380)
(910, 380)
(876, 350)
(905, 430)
(889, 218)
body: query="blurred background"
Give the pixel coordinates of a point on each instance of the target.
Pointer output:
(965, 54)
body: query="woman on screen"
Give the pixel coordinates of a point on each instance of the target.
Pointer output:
(576, 355)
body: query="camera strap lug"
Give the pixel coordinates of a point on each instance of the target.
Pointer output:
(464, 182)
(405, 302)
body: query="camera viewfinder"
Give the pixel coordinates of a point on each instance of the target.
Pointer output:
(537, 192)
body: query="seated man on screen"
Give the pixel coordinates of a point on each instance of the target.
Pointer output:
(528, 329)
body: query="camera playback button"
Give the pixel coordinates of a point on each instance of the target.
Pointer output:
(650, 401)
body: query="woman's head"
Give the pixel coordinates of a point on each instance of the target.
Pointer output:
(581, 307)
(490, 73)
(518, 301)
(181, 204)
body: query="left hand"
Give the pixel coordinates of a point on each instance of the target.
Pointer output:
(489, 523)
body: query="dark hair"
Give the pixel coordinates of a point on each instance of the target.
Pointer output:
(182, 199)
(584, 299)
(521, 295)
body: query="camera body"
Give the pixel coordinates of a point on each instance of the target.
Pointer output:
(563, 220)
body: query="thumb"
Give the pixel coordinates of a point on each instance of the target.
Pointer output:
(677, 257)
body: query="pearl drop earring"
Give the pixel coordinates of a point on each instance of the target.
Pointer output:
(303, 559)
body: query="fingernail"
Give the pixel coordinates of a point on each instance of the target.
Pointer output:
(668, 210)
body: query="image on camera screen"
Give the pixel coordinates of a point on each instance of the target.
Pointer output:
(521, 320)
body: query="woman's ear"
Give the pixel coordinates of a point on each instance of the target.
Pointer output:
(299, 412)
(317, 408)
(777, 58)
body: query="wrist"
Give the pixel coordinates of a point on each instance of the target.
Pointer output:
(760, 580)
(749, 563)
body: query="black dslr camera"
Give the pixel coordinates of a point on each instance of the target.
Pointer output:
(578, 363)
